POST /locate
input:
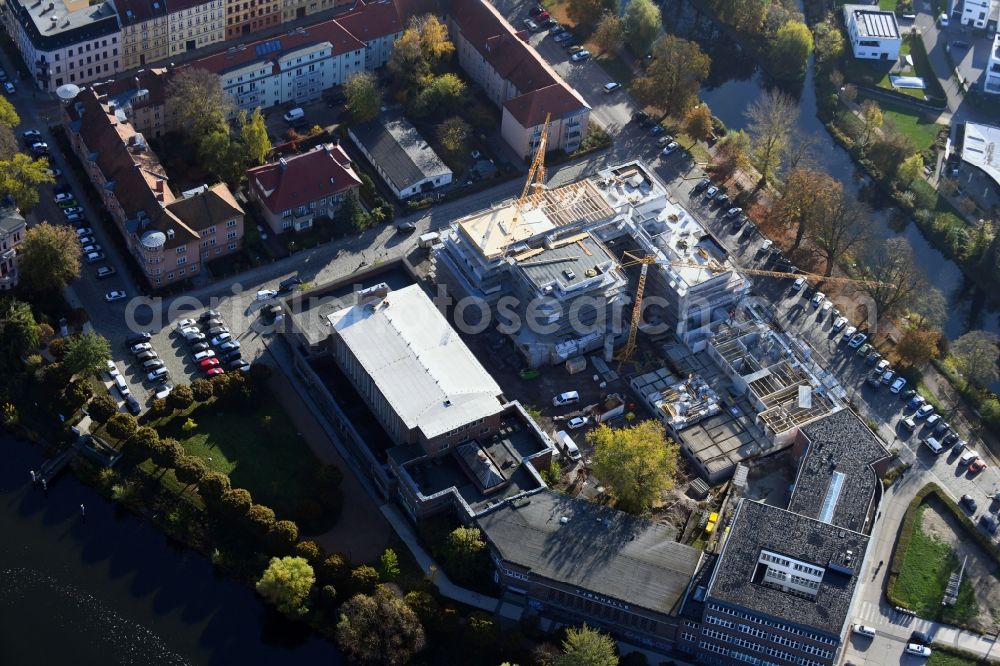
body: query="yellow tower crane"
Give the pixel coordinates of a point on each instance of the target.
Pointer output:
(625, 353)
(535, 181)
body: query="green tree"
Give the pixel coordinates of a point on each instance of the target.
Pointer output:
(910, 169)
(390, 565)
(363, 96)
(223, 156)
(893, 280)
(829, 43)
(931, 309)
(587, 13)
(86, 354)
(190, 470)
(168, 454)
(587, 647)
(642, 24)
(181, 397)
(379, 629)
(363, 579)
(335, 568)
(452, 133)
(434, 42)
(464, 552)
(638, 462)
(310, 550)
(440, 95)
(698, 122)
(253, 136)
(674, 76)
(350, 215)
(201, 390)
(18, 332)
(261, 518)
(770, 120)
(20, 177)
(102, 407)
(610, 33)
(213, 485)
(8, 114)
(121, 426)
(236, 503)
(49, 258)
(871, 119)
(975, 355)
(198, 104)
(790, 51)
(283, 535)
(917, 346)
(889, 152)
(843, 227)
(286, 584)
(144, 443)
(407, 65)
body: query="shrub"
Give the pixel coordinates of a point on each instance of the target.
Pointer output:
(261, 518)
(363, 580)
(310, 550)
(201, 390)
(282, 536)
(334, 569)
(213, 485)
(102, 407)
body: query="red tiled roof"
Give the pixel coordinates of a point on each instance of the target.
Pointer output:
(368, 21)
(328, 31)
(518, 63)
(478, 21)
(305, 178)
(530, 108)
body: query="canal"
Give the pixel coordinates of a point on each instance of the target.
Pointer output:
(113, 590)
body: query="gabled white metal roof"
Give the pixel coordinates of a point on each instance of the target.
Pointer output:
(419, 363)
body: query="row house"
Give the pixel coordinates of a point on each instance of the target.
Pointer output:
(144, 31)
(65, 41)
(245, 17)
(12, 228)
(517, 79)
(139, 99)
(171, 237)
(292, 10)
(195, 24)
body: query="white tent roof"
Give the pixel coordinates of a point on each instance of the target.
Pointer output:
(980, 146)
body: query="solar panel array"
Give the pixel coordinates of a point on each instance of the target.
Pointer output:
(271, 46)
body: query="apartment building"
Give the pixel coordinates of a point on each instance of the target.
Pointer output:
(296, 9)
(171, 237)
(873, 33)
(65, 41)
(144, 31)
(516, 79)
(298, 66)
(194, 24)
(991, 77)
(139, 99)
(977, 13)
(245, 17)
(294, 191)
(12, 228)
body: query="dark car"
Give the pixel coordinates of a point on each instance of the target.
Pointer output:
(211, 323)
(701, 185)
(642, 118)
(406, 227)
(875, 379)
(950, 438)
(536, 10)
(722, 199)
(920, 638)
(217, 330)
(210, 314)
(199, 346)
(238, 364)
(136, 338)
(234, 355)
(132, 405)
(969, 502)
(290, 283)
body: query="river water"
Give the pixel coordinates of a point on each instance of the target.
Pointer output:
(728, 94)
(114, 590)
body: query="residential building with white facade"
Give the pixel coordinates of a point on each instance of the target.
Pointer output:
(403, 158)
(873, 33)
(65, 41)
(12, 228)
(144, 31)
(194, 24)
(991, 77)
(977, 12)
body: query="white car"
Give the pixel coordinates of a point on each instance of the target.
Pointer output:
(839, 323)
(186, 323)
(943, 20)
(202, 355)
(577, 422)
(188, 330)
(797, 285)
(116, 295)
(220, 338)
(157, 374)
(84, 231)
(817, 299)
(882, 365)
(849, 333)
(580, 55)
(898, 385)
(141, 347)
(89, 249)
(915, 649)
(63, 196)
(163, 391)
(670, 148)
(112, 368)
(266, 294)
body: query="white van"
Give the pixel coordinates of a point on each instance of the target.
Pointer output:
(864, 630)
(934, 445)
(568, 398)
(429, 239)
(568, 445)
(122, 385)
(294, 114)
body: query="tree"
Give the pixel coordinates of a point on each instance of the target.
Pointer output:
(8, 143)
(770, 120)
(587, 13)
(86, 353)
(261, 518)
(212, 485)
(439, 95)
(889, 152)
(181, 397)
(390, 565)
(790, 51)
(807, 197)
(674, 77)
(893, 281)
(235, 503)
(829, 43)
(637, 462)
(587, 647)
(349, 215)
(282, 536)
(363, 96)
(75, 395)
(121, 426)
(286, 584)
(799, 150)
(379, 629)
(407, 65)
(102, 407)
(8, 114)
(841, 229)
(310, 550)
(168, 454)
(434, 40)
(201, 390)
(930, 309)
(698, 123)
(871, 119)
(917, 346)
(20, 177)
(253, 135)
(364, 579)
(335, 568)
(222, 156)
(49, 258)
(144, 443)
(18, 332)
(610, 33)
(910, 169)
(463, 553)
(190, 470)
(642, 24)
(198, 104)
(452, 134)
(733, 151)
(975, 356)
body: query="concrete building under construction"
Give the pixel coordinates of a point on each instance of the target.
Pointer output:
(553, 250)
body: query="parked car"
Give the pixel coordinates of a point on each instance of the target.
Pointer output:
(406, 227)
(611, 86)
(239, 365)
(188, 330)
(207, 363)
(220, 338)
(194, 338)
(209, 314)
(556, 29)
(951, 438)
(798, 284)
(733, 212)
(563, 36)
(136, 338)
(580, 56)
(132, 405)
(94, 257)
(989, 523)
(266, 294)
(701, 185)
(838, 323)
(146, 355)
(848, 333)
(218, 330)
(977, 466)
(924, 411)
(116, 295)
(92, 248)
(75, 217)
(920, 638)
(86, 240)
(62, 196)
(888, 376)
(9, 88)
(711, 192)
(577, 422)
(916, 401)
(817, 299)
(536, 10)
(530, 25)
(199, 356)
(670, 148)
(141, 347)
(211, 372)
(898, 384)
(199, 347)
(908, 423)
(163, 391)
(152, 364)
(40, 149)
(72, 210)
(32, 135)
(84, 231)
(969, 502)
(229, 345)
(158, 374)
(857, 340)
(185, 323)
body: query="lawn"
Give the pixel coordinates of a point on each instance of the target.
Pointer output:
(274, 463)
(941, 658)
(888, 5)
(616, 68)
(921, 132)
(876, 73)
(924, 577)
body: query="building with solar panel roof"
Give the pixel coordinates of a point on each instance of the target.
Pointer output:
(874, 33)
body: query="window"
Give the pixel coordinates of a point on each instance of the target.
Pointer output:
(170, 276)
(231, 223)
(181, 261)
(232, 246)
(182, 249)
(231, 235)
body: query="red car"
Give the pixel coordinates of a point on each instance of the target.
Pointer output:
(211, 372)
(977, 466)
(542, 15)
(207, 363)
